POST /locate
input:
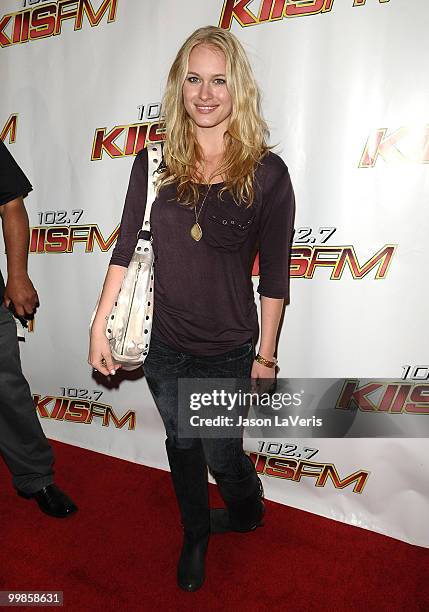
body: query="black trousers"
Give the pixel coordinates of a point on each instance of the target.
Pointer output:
(23, 444)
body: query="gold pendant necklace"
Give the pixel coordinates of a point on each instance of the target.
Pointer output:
(196, 231)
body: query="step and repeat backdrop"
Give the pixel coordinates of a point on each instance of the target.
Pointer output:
(346, 95)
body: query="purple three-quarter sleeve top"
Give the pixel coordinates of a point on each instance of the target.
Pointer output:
(203, 294)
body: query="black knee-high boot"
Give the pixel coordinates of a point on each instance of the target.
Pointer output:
(243, 498)
(189, 475)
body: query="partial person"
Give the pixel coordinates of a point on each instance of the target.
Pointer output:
(23, 445)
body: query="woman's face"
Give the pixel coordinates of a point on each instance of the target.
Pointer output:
(205, 94)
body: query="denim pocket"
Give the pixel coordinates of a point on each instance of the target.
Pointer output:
(241, 352)
(160, 354)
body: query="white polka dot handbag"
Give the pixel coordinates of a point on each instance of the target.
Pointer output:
(129, 324)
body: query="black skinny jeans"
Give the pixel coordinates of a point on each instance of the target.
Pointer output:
(163, 367)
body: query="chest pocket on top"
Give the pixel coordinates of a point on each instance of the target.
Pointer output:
(227, 226)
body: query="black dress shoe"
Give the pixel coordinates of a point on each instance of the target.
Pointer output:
(190, 570)
(52, 501)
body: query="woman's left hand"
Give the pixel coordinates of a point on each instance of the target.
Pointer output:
(261, 371)
(263, 378)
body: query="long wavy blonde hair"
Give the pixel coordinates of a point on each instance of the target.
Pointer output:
(245, 141)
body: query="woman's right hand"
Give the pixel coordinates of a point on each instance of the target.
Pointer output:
(100, 356)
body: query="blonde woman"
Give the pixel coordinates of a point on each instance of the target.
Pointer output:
(222, 195)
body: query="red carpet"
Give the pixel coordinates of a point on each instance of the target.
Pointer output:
(119, 552)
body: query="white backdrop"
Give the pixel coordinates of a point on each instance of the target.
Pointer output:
(345, 92)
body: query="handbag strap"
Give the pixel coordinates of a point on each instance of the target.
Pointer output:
(155, 157)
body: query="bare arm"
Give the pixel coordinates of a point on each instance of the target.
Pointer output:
(111, 286)
(19, 288)
(99, 350)
(271, 312)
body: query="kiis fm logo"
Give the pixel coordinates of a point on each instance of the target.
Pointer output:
(127, 140)
(394, 398)
(81, 411)
(62, 239)
(413, 146)
(305, 261)
(275, 10)
(47, 20)
(295, 470)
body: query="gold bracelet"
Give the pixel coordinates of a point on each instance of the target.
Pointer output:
(265, 362)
